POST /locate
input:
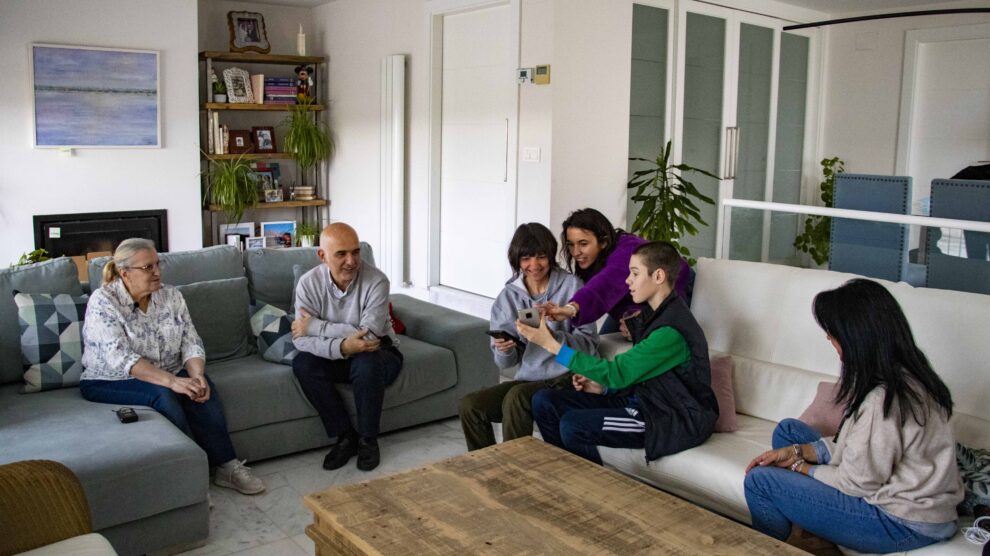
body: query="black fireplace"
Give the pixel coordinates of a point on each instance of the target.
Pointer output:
(79, 234)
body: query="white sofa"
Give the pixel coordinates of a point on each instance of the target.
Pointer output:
(760, 314)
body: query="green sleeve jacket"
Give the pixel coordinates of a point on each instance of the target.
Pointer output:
(664, 349)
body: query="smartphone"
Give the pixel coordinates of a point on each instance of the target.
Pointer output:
(530, 317)
(503, 335)
(385, 339)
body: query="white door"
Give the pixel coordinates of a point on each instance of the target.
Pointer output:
(477, 175)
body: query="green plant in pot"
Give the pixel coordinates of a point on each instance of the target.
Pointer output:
(31, 257)
(667, 209)
(219, 89)
(232, 187)
(306, 138)
(816, 238)
(307, 234)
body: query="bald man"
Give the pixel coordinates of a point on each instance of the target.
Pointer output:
(344, 334)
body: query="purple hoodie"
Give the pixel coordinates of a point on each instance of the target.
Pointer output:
(607, 292)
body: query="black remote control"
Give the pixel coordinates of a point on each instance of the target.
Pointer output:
(126, 415)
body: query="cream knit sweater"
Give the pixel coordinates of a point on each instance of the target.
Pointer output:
(907, 470)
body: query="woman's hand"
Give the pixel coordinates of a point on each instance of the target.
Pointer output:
(557, 312)
(585, 384)
(781, 457)
(540, 336)
(299, 325)
(505, 346)
(188, 387)
(204, 388)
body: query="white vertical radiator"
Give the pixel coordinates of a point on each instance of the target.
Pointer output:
(392, 173)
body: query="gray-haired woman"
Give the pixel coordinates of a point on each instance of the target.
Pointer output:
(141, 348)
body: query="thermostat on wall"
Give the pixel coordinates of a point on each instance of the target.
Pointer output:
(542, 75)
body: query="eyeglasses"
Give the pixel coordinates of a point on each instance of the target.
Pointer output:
(149, 268)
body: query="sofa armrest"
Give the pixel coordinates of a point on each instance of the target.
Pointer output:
(41, 502)
(461, 333)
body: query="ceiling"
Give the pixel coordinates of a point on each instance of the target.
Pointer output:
(832, 7)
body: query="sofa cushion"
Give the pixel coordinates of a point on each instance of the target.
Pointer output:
(723, 375)
(273, 328)
(52, 277)
(51, 339)
(824, 414)
(121, 467)
(185, 267)
(219, 310)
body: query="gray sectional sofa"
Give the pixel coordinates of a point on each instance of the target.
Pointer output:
(146, 482)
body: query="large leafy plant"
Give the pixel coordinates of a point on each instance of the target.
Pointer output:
(232, 186)
(306, 138)
(668, 211)
(816, 238)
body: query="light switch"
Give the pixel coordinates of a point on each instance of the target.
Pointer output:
(531, 154)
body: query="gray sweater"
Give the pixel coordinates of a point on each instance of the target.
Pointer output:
(908, 470)
(363, 305)
(536, 363)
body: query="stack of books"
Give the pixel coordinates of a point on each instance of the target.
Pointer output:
(218, 137)
(280, 90)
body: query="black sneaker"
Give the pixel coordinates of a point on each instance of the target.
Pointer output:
(368, 454)
(345, 448)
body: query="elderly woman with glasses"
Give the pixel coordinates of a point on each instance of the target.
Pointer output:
(140, 348)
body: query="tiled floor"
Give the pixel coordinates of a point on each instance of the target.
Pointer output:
(272, 523)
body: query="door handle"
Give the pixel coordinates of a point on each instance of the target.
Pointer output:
(505, 173)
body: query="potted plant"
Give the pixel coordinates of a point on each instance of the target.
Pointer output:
(667, 211)
(232, 187)
(219, 89)
(816, 238)
(306, 138)
(36, 256)
(307, 234)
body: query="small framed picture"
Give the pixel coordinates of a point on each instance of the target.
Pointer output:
(281, 234)
(238, 84)
(264, 139)
(241, 228)
(247, 32)
(257, 242)
(273, 196)
(240, 141)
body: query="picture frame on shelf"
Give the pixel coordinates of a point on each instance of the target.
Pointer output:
(238, 83)
(264, 139)
(239, 141)
(255, 242)
(247, 32)
(273, 195)
(279, 234)
(241, 228)
(237, 240)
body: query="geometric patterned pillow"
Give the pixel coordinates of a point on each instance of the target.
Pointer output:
(51, 339)
(273, 327)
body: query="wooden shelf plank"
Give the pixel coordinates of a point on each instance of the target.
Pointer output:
(250, 156)
(257, 58)
(258, 107)
(280, 204)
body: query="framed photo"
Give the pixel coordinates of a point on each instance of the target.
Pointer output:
(264, 139)
(273, 195)
(73, 86)
(256, 242)
(238, 84)
(239, 141)
(241, 228)
(281, 234)
(247, 32)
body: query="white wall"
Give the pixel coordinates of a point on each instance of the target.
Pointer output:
(40, 181)
(862, 85)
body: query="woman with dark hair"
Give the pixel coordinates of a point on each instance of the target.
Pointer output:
(888, 481)
(599, 253)
(536, 279)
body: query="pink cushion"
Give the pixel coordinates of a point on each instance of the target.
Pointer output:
(824, 414)
(723, 371)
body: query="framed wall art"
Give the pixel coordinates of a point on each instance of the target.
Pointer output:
(247, 32)
(95, 97)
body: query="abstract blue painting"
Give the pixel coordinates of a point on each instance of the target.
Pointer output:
(95, 97)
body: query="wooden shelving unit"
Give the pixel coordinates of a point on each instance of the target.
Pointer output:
(258, 107)
(280, 204)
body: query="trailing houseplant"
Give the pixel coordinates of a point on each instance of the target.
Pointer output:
(815, 240)
(36, 256)
(232, 187)
(667, 211)
(306, 138)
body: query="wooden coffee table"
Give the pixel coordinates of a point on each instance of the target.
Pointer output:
(520, 497)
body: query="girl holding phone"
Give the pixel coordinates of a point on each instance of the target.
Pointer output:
(536, 279)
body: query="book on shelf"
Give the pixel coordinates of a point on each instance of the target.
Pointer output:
(258, 88)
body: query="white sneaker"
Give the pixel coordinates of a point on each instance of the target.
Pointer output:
(237, 476)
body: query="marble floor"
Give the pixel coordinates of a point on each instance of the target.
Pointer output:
(273, 523)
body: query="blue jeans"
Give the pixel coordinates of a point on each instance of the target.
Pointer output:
(368, 373)
(779, 497)
(203, 422)
(579, 422)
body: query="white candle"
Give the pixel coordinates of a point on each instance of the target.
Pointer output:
(301, 42)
